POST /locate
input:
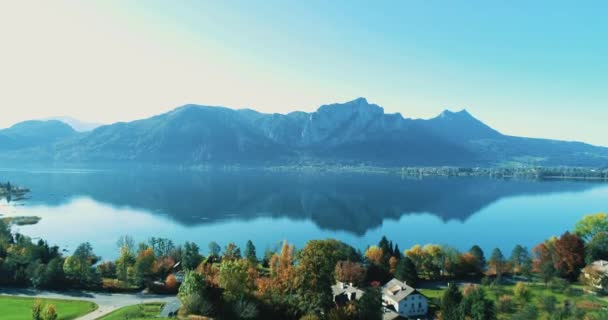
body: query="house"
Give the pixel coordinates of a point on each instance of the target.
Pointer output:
(597, 274)
(404, 300)
(345, 292)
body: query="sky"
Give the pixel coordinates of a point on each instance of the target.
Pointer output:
(530, 68)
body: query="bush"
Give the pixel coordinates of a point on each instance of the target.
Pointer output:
(522, 292)
(50, 313)
(505, 304)
(529, 312)
(548, 303)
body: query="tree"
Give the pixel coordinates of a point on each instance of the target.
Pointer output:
(250, 253)
(519, 257)
(479, 256)
(450, 303)
(349, 272)
(125, 261)
(171, 283)
(369, 307)
(477, 306)
(214, 249)
(232, 252)
(78, 268)
(315, 274)
(597, 248)
(406, 271)
(375, 255)
(191, 257)
(543, 261)
(234, 279)
(161, 247)
(497, 262)
(193, 294)
(590, 225)
(144, 264)
(569, 255)
(125, 242)
(50, 312)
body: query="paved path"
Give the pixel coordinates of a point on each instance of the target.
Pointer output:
(107, 302)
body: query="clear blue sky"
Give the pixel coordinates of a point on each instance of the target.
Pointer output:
(532, 68)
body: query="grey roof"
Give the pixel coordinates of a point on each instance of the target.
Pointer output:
(344, 288)
(600, 265)
(397, 290)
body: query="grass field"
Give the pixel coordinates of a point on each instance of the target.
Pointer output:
(147, 311)
(575, 294)
(17, 308)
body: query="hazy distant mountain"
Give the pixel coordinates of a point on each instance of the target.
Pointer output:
(354, 132)
(34, 133)
(76, 124)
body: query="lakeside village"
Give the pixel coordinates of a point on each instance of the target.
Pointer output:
(563, 277)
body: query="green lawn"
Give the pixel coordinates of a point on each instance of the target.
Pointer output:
(590, 303)
(147, 311)
(17, 308)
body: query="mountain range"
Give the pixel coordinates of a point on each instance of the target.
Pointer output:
(354, 133)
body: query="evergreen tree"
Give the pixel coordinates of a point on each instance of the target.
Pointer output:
(250, 253)
(450, 303)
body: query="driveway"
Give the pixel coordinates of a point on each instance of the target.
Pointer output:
(107, 302)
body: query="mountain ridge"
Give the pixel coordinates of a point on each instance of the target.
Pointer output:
(354, 132)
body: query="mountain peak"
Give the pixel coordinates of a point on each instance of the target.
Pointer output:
(462, 114)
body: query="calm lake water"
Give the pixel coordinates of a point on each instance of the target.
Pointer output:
(101, 205)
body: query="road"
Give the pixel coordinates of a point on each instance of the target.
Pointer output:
(107, 302)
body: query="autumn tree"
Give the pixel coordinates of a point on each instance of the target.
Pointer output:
(349, 272)
(375, 255)
(144, 265)
(543, 261)
(569, 255)
(171, 283)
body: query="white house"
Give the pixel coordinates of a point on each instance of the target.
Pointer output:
(405, 300)
(596, 274)
(345, 292)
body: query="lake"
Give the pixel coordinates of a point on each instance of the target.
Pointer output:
(98, 206)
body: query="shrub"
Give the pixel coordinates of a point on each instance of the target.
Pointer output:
(505, 304)
(37, 310)
(50, 313)
(522, 292)
(548, 303)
